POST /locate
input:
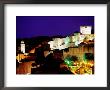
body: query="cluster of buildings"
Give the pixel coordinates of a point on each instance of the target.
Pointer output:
(74, 40)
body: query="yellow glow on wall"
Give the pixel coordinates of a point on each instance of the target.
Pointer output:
(32, 51)
(21, 56)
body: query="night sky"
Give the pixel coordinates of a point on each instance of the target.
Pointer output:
(32, 26)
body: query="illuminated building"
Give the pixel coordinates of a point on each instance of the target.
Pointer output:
(81, 38)
(90, 36)
(76, 39)
(57, 43)
(51, 43)
(22, 47)
(85, 29)
(60, 43)
(67, 41)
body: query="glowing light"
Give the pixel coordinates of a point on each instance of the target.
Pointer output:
(22, 47)
(67, 40)
(85, 29)
(68, 62)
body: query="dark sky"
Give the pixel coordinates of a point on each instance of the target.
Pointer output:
(31, 26)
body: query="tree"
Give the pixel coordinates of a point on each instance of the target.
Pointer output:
(70, 59)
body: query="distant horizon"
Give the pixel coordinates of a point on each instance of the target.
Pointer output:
(46, 36)
(35, 26)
